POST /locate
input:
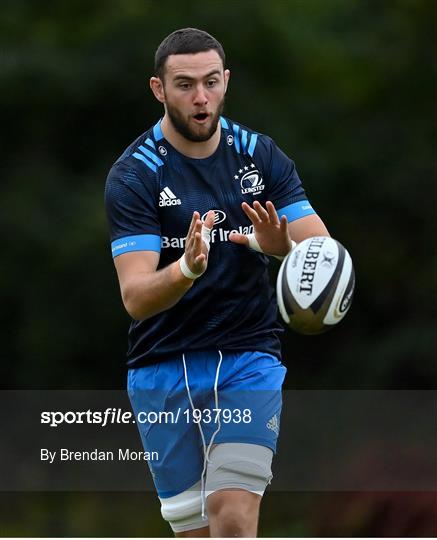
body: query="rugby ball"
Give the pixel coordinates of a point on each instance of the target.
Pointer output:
(315, 285)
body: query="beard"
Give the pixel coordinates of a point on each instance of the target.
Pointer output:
(182, 125)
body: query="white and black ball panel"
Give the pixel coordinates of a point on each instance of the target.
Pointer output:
(315, 285)
(282, 294)
(344, 292)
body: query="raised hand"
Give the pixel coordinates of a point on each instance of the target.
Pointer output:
(196, 249)
(270, 232)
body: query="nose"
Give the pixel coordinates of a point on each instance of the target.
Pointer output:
(200, 97)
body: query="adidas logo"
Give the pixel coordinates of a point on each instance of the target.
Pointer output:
(168, 198)
(273, 424)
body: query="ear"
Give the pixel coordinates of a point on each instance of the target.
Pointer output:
(227, 74)
(157, 88)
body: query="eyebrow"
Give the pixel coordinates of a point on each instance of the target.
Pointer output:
(188, 78)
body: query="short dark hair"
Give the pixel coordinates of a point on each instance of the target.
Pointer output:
(185, 41)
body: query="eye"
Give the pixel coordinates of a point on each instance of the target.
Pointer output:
(211, 83)
(184, 86)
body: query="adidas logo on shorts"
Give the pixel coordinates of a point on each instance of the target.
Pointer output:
(273, 424)
(168, 198)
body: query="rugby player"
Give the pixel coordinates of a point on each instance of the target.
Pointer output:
(196, 205)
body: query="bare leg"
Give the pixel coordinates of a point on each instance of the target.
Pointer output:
(233, 512)
(203, 532)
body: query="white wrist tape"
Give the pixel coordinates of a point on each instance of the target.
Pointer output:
(185, 269)
(253, 243)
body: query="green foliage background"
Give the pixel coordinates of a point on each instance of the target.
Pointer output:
(346, 88)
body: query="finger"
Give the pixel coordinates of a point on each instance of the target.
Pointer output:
(272, 213)
(251, 214)
(239, 238)
(262, 213)
(197, 227)
(197, 243)
(283, 225)
(190, 236)
(193, 221)
(200, 259)
(192, 242)
(199, 263)
(209, 220)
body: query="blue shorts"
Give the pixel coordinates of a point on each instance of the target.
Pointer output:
(249, 408)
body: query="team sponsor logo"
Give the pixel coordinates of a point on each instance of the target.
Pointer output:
(123, 245)
(219, 216)
(168, 198)
(162, 150)
(217, 235)
(273, 424)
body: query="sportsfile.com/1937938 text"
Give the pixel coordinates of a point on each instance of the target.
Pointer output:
(113, 415)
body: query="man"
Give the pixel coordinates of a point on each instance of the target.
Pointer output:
(193, 208)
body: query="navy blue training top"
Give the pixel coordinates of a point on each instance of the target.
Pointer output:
(151, 193)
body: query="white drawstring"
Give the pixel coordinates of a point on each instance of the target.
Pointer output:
(206, 451)
(191, 402)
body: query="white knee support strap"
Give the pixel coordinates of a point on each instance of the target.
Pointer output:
(231, 465)
(184, 511)
(240, 466)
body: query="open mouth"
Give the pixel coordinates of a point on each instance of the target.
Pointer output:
(201, 117)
